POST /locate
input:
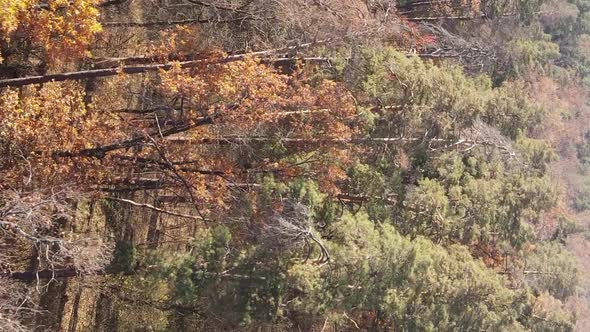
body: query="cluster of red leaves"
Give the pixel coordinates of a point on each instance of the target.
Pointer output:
(411, 38)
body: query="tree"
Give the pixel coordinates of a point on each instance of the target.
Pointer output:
(372, 280)
(550, 268)
(297, 187)
(582, 198)
(52, 31)
(32, 227)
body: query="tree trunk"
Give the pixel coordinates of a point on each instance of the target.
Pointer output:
(153, 233)
(55, 274)
(448, 18)
(169, 23)
(106, 317)
(295, 140)
(72, 272)
(101, 151)
(93, 73)
(75, 307)
(52, 304)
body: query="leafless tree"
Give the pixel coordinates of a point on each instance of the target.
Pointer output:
(292, 227)
(34, 219)
(15, 307)
(482, 134)
(33, 238)
(472, 54)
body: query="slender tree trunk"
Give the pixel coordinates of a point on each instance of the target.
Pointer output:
(67, 273)
(52, 304)
(101, 151)
(169, 23)
(295, 140)
(448, 18)
(153, 233)
(75, 307)
(107, 316)
(55, 274)
(93, 73)
(109, 3)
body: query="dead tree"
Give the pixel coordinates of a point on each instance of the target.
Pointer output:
(31, 224)
(472, 54)
(292, 227)
(33, 220)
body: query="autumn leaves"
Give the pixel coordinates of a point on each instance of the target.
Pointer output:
(58, 29)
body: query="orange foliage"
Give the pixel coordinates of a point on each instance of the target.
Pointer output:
(411, 38)
(247, 94)
(11, 14)
(177, 42)
(250, 99)
(63, 28)
(37, 121)
(49, 126)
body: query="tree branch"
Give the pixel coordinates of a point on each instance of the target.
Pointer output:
(151, 207)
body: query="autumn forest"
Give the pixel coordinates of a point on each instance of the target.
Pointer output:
(294, 165)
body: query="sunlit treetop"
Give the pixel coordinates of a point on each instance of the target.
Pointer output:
(11, 14)
(248, 94)
(63, 29)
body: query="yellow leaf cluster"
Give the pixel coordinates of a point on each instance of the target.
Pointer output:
(11, 14)
(66, 28)
(63, 28)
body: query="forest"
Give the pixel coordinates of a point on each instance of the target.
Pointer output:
(294, 165)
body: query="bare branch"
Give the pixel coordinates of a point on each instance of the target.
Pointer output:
(293, 226)
(151, 207)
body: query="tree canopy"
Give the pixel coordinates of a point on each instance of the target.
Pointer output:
(294, 165)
